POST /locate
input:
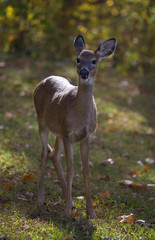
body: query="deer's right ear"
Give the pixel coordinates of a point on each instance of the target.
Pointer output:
(79, 44)
(106, 48)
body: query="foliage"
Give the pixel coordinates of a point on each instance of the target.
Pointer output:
(47, 28)
(121, 159)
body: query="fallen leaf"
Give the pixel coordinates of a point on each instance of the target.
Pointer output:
(126, 218)
(140, 163)
(95, 202)
(80, 197)
(109, 161)
(74, 212)
(138, 186)
(105, 177)
(151, 185)
(150, 160)
(104, 195)
(69, 238)
(126, 182)
(28, 177)
(144, 169)
(151, 199)
(7, 186)
(141, 222)
(133, 172)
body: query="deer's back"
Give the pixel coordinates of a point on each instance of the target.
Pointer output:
(57, 108)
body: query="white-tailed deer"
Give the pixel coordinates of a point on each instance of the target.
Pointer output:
(70, 113)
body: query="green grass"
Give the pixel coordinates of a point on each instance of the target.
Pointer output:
(125, 134)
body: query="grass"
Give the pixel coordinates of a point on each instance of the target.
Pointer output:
(125, 134)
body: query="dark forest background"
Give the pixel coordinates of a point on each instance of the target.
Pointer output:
(46, 29)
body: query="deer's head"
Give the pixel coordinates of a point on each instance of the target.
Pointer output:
(87, 60)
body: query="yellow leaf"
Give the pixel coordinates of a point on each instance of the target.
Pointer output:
(84, 214)
(126, 218)
(95, 202)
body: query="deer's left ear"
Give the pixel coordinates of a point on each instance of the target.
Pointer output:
(106, 48)
(79, 44)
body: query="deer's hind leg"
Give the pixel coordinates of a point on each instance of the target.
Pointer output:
(55, 156)
(43, 132)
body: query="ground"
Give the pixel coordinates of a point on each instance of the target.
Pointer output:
(122, 148)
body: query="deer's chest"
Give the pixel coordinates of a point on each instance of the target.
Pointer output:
(81, 127)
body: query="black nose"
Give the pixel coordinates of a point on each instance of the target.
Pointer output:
(84, 72)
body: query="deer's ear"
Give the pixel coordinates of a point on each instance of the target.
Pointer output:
(106, 48)
(79, 44)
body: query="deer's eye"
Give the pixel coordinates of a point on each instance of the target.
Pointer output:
(78, 60)
(94, 61)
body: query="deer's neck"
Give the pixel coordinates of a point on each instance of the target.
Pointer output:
(85, 97)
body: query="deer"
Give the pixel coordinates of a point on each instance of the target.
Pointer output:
(70, 113)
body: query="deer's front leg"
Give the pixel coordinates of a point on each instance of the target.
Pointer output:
(84, 148)
(68, 146)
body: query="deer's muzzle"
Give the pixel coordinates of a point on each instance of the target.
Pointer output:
(84, 73)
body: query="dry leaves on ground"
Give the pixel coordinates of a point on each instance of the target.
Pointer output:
(7, 186)
(28, 177)
(104, 195)
(136, 186)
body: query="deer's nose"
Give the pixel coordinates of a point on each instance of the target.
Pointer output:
(84, 72)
